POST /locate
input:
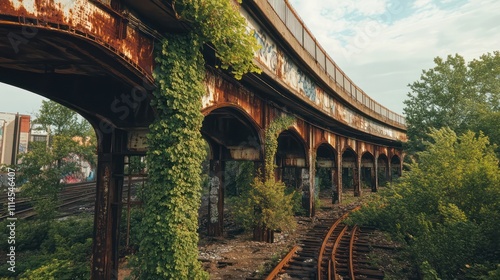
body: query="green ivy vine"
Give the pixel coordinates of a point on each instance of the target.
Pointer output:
(271, 142)
(169, 239)
(220, 23)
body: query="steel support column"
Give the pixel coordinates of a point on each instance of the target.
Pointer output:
(375, 173)
(311, 154)
(357, 176)
(389, 171)
(339, 175)
(108, 205)
(216, 199)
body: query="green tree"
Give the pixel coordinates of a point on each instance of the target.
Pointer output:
(265, 205)
(60, 120)
(446, 206)
(455, 94)
(45, 164)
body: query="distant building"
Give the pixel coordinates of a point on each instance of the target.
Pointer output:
(14, 136)
(38, 134)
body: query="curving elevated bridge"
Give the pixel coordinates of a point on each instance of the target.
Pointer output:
(97, 57)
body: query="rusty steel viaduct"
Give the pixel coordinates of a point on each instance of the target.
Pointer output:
(97, 58)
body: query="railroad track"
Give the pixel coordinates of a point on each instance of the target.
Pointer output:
(71, 194)
(331, 250)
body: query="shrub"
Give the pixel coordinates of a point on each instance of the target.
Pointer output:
(446, 206)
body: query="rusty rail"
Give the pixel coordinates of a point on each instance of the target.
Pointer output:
(282, 263)
(71, 194)
(351, 252)
(345, 264)
(327, 237)
(332, 267)
(325, 241)
(307, 263)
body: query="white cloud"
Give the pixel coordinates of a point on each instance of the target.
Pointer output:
(384, 51)
(421, 3)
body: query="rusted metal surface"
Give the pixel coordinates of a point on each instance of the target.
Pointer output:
(222, 93)
(83, 19)
(101, 243)
(321, 136)
(282, 263)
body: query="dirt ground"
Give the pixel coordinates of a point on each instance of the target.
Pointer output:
(236, 256)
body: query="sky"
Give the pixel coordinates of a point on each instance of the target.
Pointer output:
(382, 45)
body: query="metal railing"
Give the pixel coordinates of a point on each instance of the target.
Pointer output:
(306, 39)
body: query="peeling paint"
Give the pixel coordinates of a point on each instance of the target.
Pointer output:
(84, 18)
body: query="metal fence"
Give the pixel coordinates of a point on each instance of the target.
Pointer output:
(297, 27)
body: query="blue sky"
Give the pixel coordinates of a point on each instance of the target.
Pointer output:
(382, 45)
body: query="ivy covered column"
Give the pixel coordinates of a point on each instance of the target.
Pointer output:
(169, 238)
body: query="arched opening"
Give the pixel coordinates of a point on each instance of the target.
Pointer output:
(383, 170)
(326, 172)
(62, 153)
(395, 167)
(235, 145)
(350, 176)
(292, 166)
(368, 171)
(105, 89)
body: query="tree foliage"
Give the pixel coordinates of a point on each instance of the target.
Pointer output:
(59, 249)
(455, 94)
(45, 164)
(59, 120)
(265, 203)
(446, 206)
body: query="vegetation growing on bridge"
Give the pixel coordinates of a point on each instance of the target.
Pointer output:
(168, 248)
